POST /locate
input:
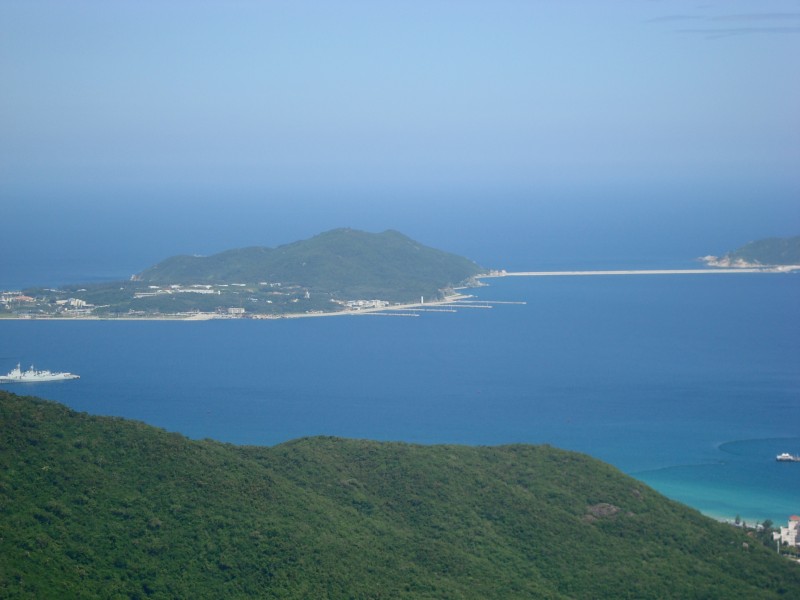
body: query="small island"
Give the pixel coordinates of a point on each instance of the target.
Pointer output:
(769, 252)
(339, 271)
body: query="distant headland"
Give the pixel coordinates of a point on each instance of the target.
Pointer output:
(769, 252)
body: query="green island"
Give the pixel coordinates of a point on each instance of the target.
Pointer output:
(336, 271)
(765, 252)
(101, 507)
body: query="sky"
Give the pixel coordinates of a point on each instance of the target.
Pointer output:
(503, 128)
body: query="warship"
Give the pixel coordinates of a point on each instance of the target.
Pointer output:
(17, 375)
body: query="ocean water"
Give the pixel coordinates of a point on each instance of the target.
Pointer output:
(690, 383)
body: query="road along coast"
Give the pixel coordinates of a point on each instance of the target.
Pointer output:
(780, 269)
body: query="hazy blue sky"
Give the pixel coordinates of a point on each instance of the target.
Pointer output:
(350, 109)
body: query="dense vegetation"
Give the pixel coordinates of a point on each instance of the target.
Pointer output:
(343, 262)
(103, 507)
(770, 251)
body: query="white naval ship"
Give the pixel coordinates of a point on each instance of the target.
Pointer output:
(17, 375)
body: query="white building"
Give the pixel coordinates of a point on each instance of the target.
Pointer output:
(789, 535)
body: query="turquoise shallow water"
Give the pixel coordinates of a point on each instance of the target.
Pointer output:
(691, 383)
(745, 480)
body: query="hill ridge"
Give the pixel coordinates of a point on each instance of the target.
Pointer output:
(773, 251)
(343, 262)
(105, 507)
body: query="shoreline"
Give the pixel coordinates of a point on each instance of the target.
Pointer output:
(390, 310)
(376, 311)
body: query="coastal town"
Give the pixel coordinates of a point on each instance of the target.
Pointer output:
(205, 301)
(196, 301)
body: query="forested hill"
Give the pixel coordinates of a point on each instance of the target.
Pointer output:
(97, 507)
(345, 263)
(769, 251)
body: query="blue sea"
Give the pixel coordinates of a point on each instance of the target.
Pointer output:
(690, 383)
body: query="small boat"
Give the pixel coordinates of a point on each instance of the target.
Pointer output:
(17, 375)
(786, 457)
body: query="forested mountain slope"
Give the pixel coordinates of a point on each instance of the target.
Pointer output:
(98, 507)
(346, 263)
